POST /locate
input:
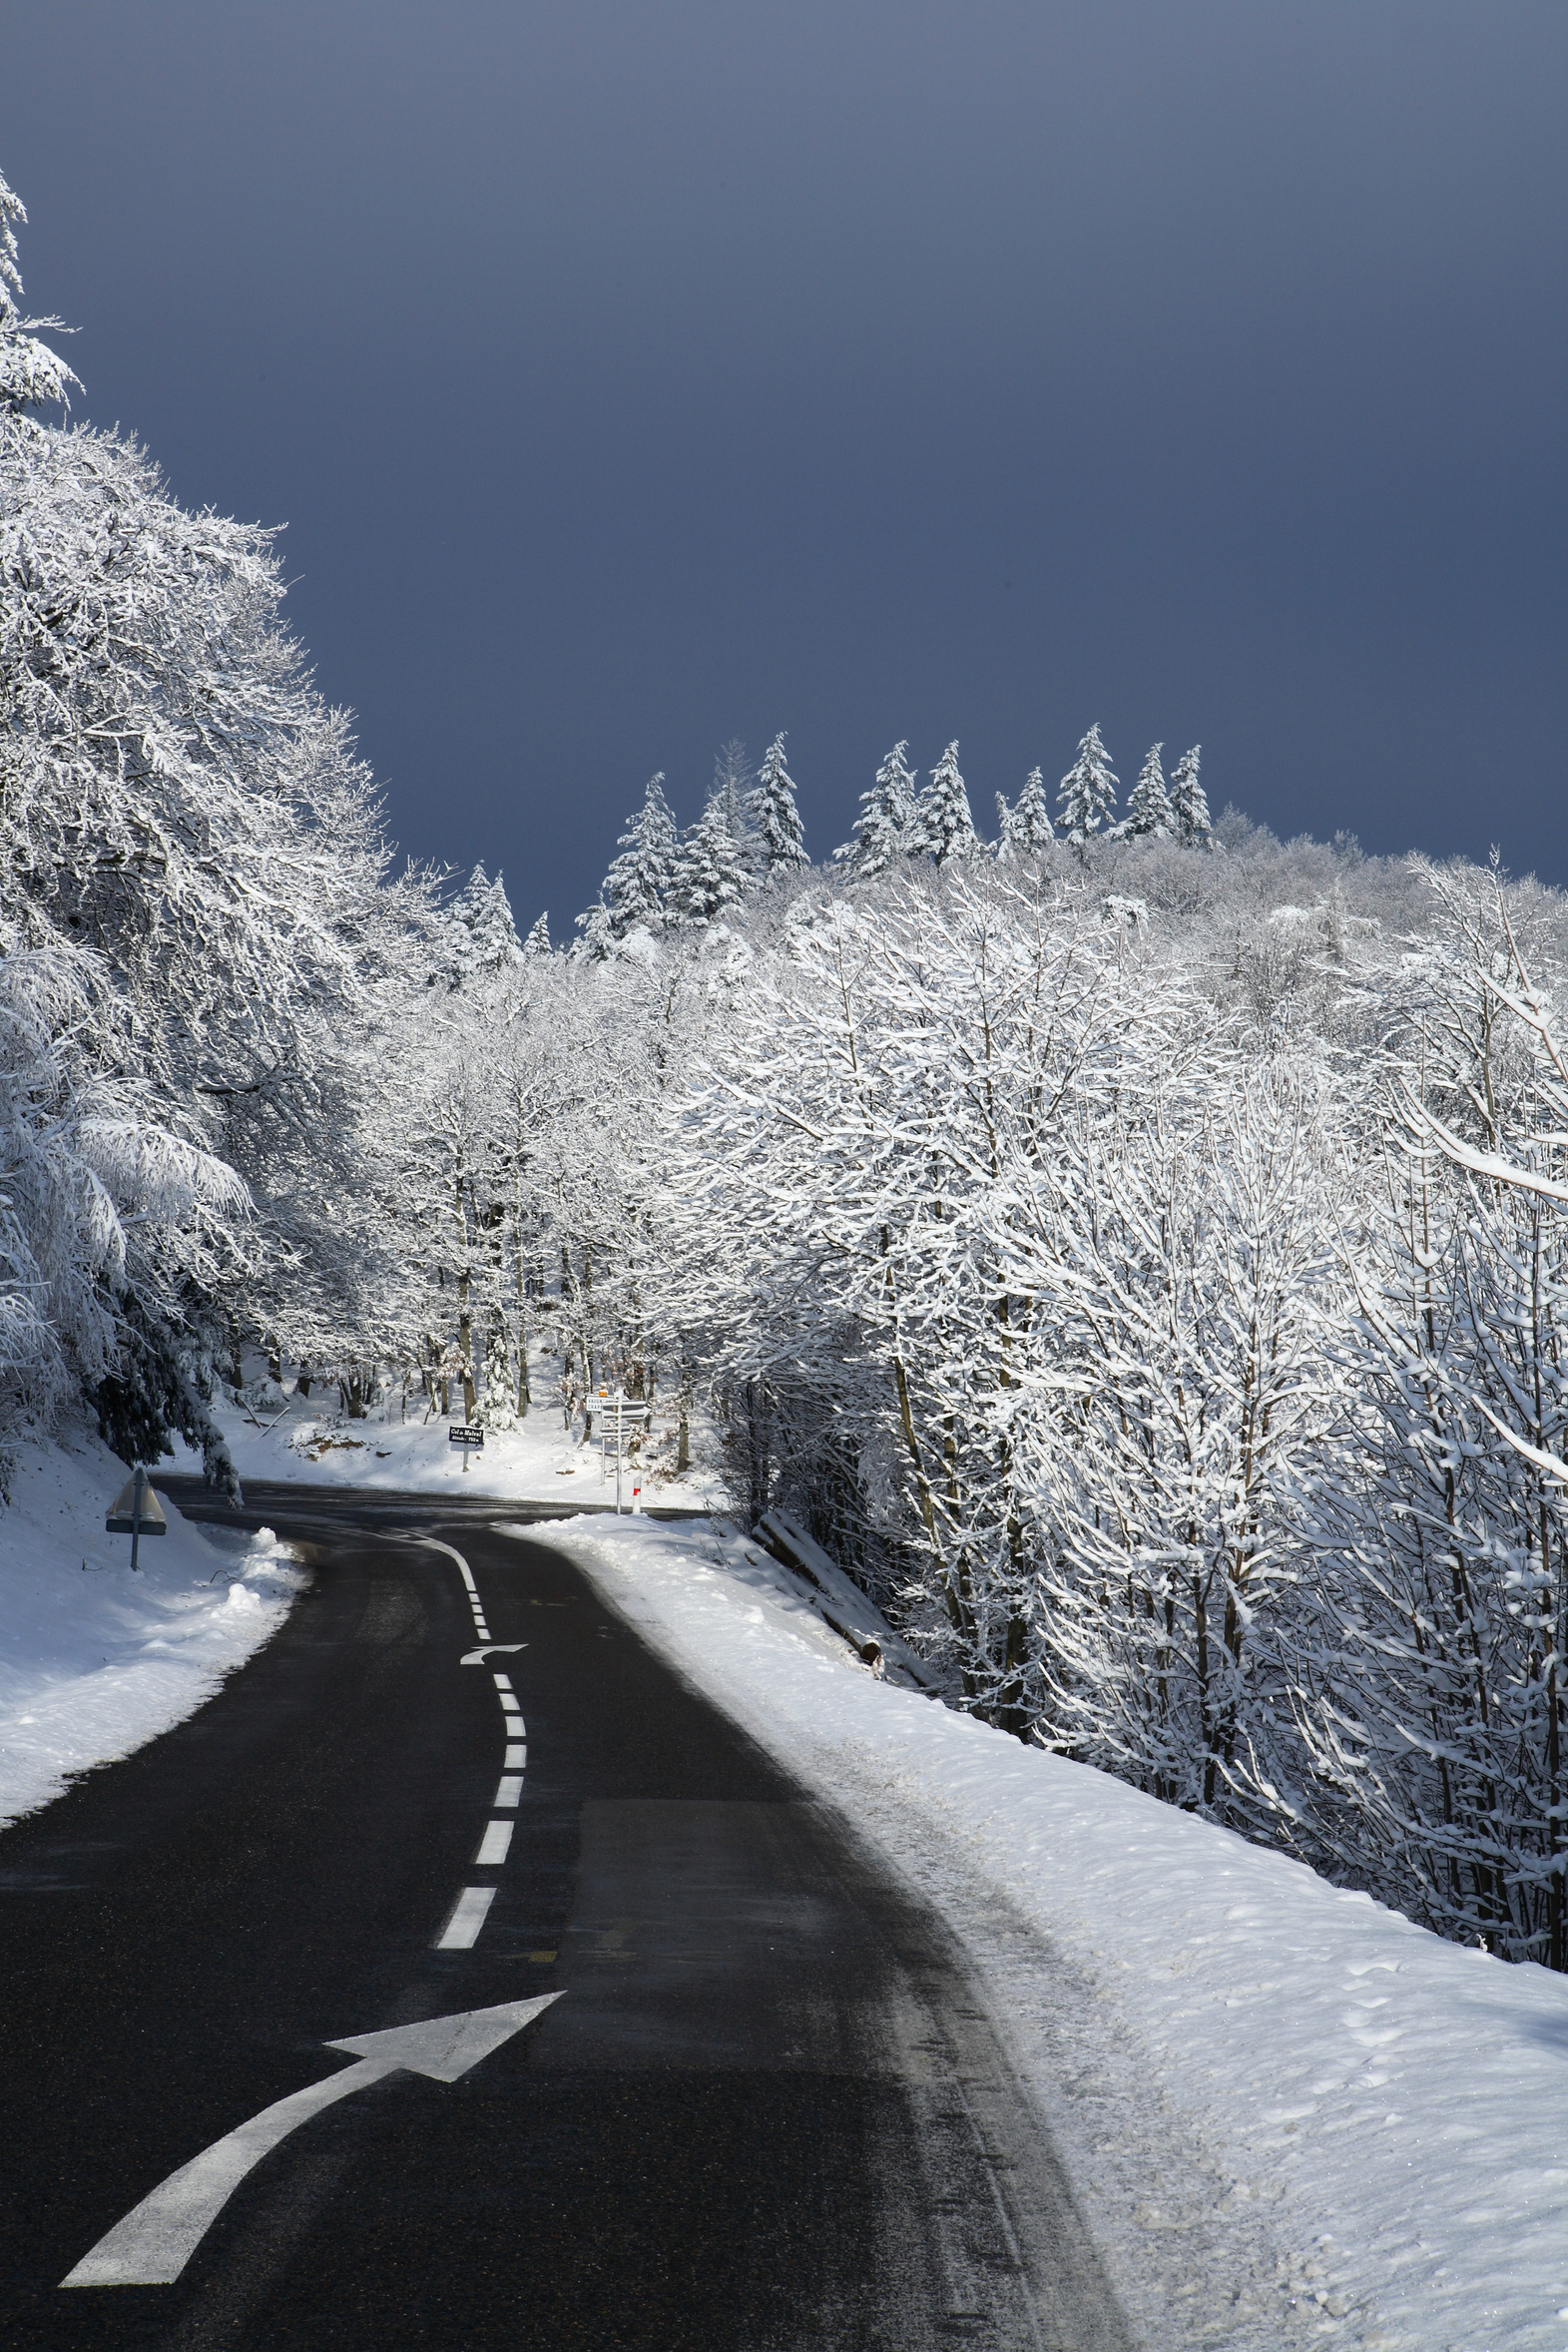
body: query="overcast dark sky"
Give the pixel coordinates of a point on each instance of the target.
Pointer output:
(629, 376)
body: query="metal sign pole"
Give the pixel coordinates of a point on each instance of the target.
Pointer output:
(620, 1398)
(137, 1485)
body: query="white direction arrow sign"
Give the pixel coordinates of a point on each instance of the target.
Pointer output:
(155, 2240)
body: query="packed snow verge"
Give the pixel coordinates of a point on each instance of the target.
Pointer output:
(93, 1660)
(1291, 2115)
(540, 1460)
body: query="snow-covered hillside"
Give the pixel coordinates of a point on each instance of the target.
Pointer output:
(93, 1661)
(1293, 2116)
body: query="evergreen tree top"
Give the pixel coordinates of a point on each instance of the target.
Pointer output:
(637, 882)
(1026, 825)
(481, 933)
(31, 375)
(1148, 806)
(1189, 803)
(944, 823)
(1087, 792)
(708, 873)
(776, 821)
(882, 830)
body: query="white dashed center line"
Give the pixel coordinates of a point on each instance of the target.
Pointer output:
(473, 1905)
(467, 1919)
(493, 1845)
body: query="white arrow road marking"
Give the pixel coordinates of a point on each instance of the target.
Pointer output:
(155, 2240)
(492, 1649)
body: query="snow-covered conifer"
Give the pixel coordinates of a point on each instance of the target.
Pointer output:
(1147, 806)
(883, 828)
(480, 935)
(538, 939)
(1189, 807)
(943, 825)
(1087, 793)
(776, 821)
(635, 888)
(31, 375)
(709, 877)
(1026, 827)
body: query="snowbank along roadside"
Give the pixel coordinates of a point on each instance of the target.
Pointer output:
(538, 1461)
(93, 1660)
(1293, 2116)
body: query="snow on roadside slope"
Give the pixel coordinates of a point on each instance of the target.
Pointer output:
(93, 1660)
(538, 1461)
(1292, 2117)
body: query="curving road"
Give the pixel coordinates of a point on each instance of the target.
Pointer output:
(766, 2112)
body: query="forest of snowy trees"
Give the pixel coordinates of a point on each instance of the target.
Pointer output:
(1137, 1246)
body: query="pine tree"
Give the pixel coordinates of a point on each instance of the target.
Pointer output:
(776, 821)
(481, 936)
(1189, 807)
(538, 939)
(1087, 793)
(31, 375)
(883, 829)
(1148, 807)
(637, 882)
(709, 875)
(943, 826)
(1026, 827)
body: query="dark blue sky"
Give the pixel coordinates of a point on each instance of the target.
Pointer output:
(631, 376)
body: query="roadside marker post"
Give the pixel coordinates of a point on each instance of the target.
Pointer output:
(614, 1435)
(466, 1437)
(136, 1511)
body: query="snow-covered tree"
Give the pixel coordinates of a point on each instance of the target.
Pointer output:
(1149, 809)
(883, 829)
(733, 782)
(180, 804)
(637, 882)
(1026, 827)
(777, 833)
(1189, 807)
(31, 375)
(943, 826)
(1087, 793)
(709, 877)
(479, 936)
(538, 939)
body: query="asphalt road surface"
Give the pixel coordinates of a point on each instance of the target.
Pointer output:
(767, 2112)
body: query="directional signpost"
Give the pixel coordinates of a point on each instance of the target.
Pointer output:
(137, 1512)
(465, 1439)
(615, 1437)
(155, 2240)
